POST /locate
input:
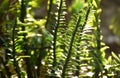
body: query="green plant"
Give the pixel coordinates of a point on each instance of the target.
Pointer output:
(55, 46)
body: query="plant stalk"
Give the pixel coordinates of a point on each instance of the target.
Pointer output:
(82, 29)
(70, 48)
(55, 35)
(17, 69)
(27, 60)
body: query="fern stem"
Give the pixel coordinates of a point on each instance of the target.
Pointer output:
(70, 48)
(23, 12)
(83, 26)
(86, 17)
(27, 60)
(17, 69)
(55, 34)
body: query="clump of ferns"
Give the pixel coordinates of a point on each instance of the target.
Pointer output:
(64, 46)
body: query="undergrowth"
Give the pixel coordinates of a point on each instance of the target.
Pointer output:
(55, 46)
